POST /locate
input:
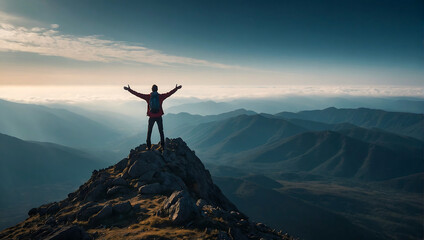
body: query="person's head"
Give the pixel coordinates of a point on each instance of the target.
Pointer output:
(154, 88)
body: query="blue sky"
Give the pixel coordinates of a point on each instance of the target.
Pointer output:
(213, 42)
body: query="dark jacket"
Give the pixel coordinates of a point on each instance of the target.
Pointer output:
(146, 97)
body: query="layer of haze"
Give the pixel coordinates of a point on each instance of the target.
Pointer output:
(84, 94)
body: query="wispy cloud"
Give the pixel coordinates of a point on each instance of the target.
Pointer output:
(51, 42)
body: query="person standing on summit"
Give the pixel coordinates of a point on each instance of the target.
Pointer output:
(154, 110)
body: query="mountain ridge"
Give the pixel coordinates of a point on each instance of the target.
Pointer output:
(410, 124)
(332, 153)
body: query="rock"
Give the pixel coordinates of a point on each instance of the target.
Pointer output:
(180, 207)
(32, 212)
(200, 203)
(121, 165)
(122, 208)
(53, 208)
(238, 215)
(147, 161)
(96, 193)
(139, 184)
(50, 208)
(50, 221)
(86, 213)
(147, 177)
(262, 227)
(243, 223)
(154, 188)
(120, 181)
(104, 213)
(117, 189)
(69, 217)
(171, 182)
(69, 233)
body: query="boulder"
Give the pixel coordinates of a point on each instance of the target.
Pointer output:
(53, 208)
(146, 162)
(116, 190)
(154, 188)
(180, 207)
(120, 181)
(172, 182)
(104, 213)
(32, 212)
(65, 218)
(50, 221)
(121, 165)
(122, 208)
(96, 193)
(139, 184)
(86, 212)
(148, 176)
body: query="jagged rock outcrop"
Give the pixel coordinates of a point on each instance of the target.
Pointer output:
(148, 195)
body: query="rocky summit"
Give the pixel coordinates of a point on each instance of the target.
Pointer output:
(150, 194)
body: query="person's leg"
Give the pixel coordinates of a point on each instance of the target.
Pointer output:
(149, 132)
(162, 136)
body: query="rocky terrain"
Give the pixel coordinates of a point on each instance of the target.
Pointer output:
(148, 195)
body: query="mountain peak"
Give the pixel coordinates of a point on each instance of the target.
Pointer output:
(148, 195)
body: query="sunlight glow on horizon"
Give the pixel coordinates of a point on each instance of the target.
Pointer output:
(81, 94)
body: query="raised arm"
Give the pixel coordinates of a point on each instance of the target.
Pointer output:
(168, 94)
(140, 95)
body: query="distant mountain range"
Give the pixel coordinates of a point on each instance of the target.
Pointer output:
(40, 123)
(239, 133)
(183, 119)
(341, 149)
(409, 124)
(297, 103)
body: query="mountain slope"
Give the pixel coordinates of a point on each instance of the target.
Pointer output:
(409, 124)
(34, 172)
(24, 162)
(149, 195)
(239, 133)
(331, 154)
(278, 209)
(399, 143)
(39, 123)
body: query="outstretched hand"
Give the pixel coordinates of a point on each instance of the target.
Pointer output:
(127, 88)
(178, 87)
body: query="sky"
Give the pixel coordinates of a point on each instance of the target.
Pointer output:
(273, 44)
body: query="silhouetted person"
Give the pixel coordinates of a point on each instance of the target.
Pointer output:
(154, 110)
